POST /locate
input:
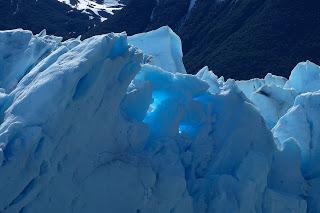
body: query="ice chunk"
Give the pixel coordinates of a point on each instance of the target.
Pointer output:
(291, 181)
(305, 77)
(301, 123)
(19, 52)
(164, 46)
(277, 202)
(208, 76)
(273, 102)
(269, 96)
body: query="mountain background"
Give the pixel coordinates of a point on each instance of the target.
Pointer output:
(36, 15)
(238, 39)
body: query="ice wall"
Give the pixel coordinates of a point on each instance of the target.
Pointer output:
(164, 47)
(97, 126)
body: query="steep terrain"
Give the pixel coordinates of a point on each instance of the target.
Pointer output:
(249, 38)
(140, 15)
(238, 39)
(36, 15)
(133, 18)
(95, 8)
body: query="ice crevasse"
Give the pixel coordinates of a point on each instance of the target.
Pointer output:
(114, 124)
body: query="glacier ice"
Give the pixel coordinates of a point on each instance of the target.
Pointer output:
(305, 77)
(301, 123)
(165, 47)
(112, 123)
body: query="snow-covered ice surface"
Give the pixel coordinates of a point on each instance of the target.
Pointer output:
(101, 126)
(97, 7)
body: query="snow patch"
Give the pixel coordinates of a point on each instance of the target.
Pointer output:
(108, 6)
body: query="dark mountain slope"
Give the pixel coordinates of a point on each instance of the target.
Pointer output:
(141, 15)
(169, 12)
(133, 18)
(57, 18)
(237, 38)
(249, 38)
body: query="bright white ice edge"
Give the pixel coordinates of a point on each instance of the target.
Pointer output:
(97, 126)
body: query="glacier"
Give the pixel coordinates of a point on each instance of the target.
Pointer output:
(114, 124)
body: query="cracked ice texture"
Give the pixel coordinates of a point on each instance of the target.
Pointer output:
(99, 125)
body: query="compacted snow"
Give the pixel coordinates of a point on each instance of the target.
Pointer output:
(102, 126)
(95, 6)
